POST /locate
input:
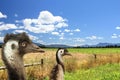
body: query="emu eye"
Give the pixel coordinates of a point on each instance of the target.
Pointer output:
(24, 44)
(61, 51)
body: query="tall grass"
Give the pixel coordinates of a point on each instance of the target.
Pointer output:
(83, 61)
(104, 72)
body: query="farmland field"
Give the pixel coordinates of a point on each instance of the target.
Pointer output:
(104, 72)
(85, 64)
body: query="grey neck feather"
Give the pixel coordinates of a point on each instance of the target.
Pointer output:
(13, 62)
(59, 60)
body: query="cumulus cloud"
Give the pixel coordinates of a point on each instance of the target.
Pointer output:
(79, 40)
(93, 37)
(115, 36)
(61, 38)
(19, 31)
(71, 33)
(33, 37)
(3, 15)
(4, 26)
(67, 30)
(46, 17)
(32, 26)
(46, 22)
(77, 30)
(1, 23)
(118, 27)
(55, 33)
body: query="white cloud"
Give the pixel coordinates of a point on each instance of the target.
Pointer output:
(46, 22)
(46, 17)
(71, 33)
(118, 27)
(3, 15)
(61, 24)
(77, 30)
(4, 26)
(114, 36)
(61, 38)
(19, 31)
(18, 21)
(1, 23)
(33, 26)
(55, 33)
(40, 41)
(94, 37)
(33, 37)
(79, 40)
(67, 30)
(62, 34)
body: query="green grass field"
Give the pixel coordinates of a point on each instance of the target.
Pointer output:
(104, 72)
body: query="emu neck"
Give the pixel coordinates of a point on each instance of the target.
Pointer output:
(13, 61)
(59, 60)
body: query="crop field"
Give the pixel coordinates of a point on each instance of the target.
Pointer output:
(84, 64)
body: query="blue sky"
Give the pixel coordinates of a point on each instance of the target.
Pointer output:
(70, 22)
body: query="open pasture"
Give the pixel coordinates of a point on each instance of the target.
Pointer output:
(83, 61)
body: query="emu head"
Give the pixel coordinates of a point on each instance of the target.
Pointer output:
(21, 43)
(63, 51)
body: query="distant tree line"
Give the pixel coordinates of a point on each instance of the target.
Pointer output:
(0, 45)
(107, 46)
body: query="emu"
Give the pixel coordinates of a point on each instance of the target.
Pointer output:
(58, 71)
(14, 48)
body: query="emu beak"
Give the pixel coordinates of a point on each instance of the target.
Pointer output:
(36, 48)
(67, 53)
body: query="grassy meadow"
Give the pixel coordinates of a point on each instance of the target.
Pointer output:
(84, 64)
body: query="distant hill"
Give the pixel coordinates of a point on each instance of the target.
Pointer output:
(40, 45)
(103, 45)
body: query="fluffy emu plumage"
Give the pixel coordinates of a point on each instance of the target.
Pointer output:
(13, 50)
(57, 72)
